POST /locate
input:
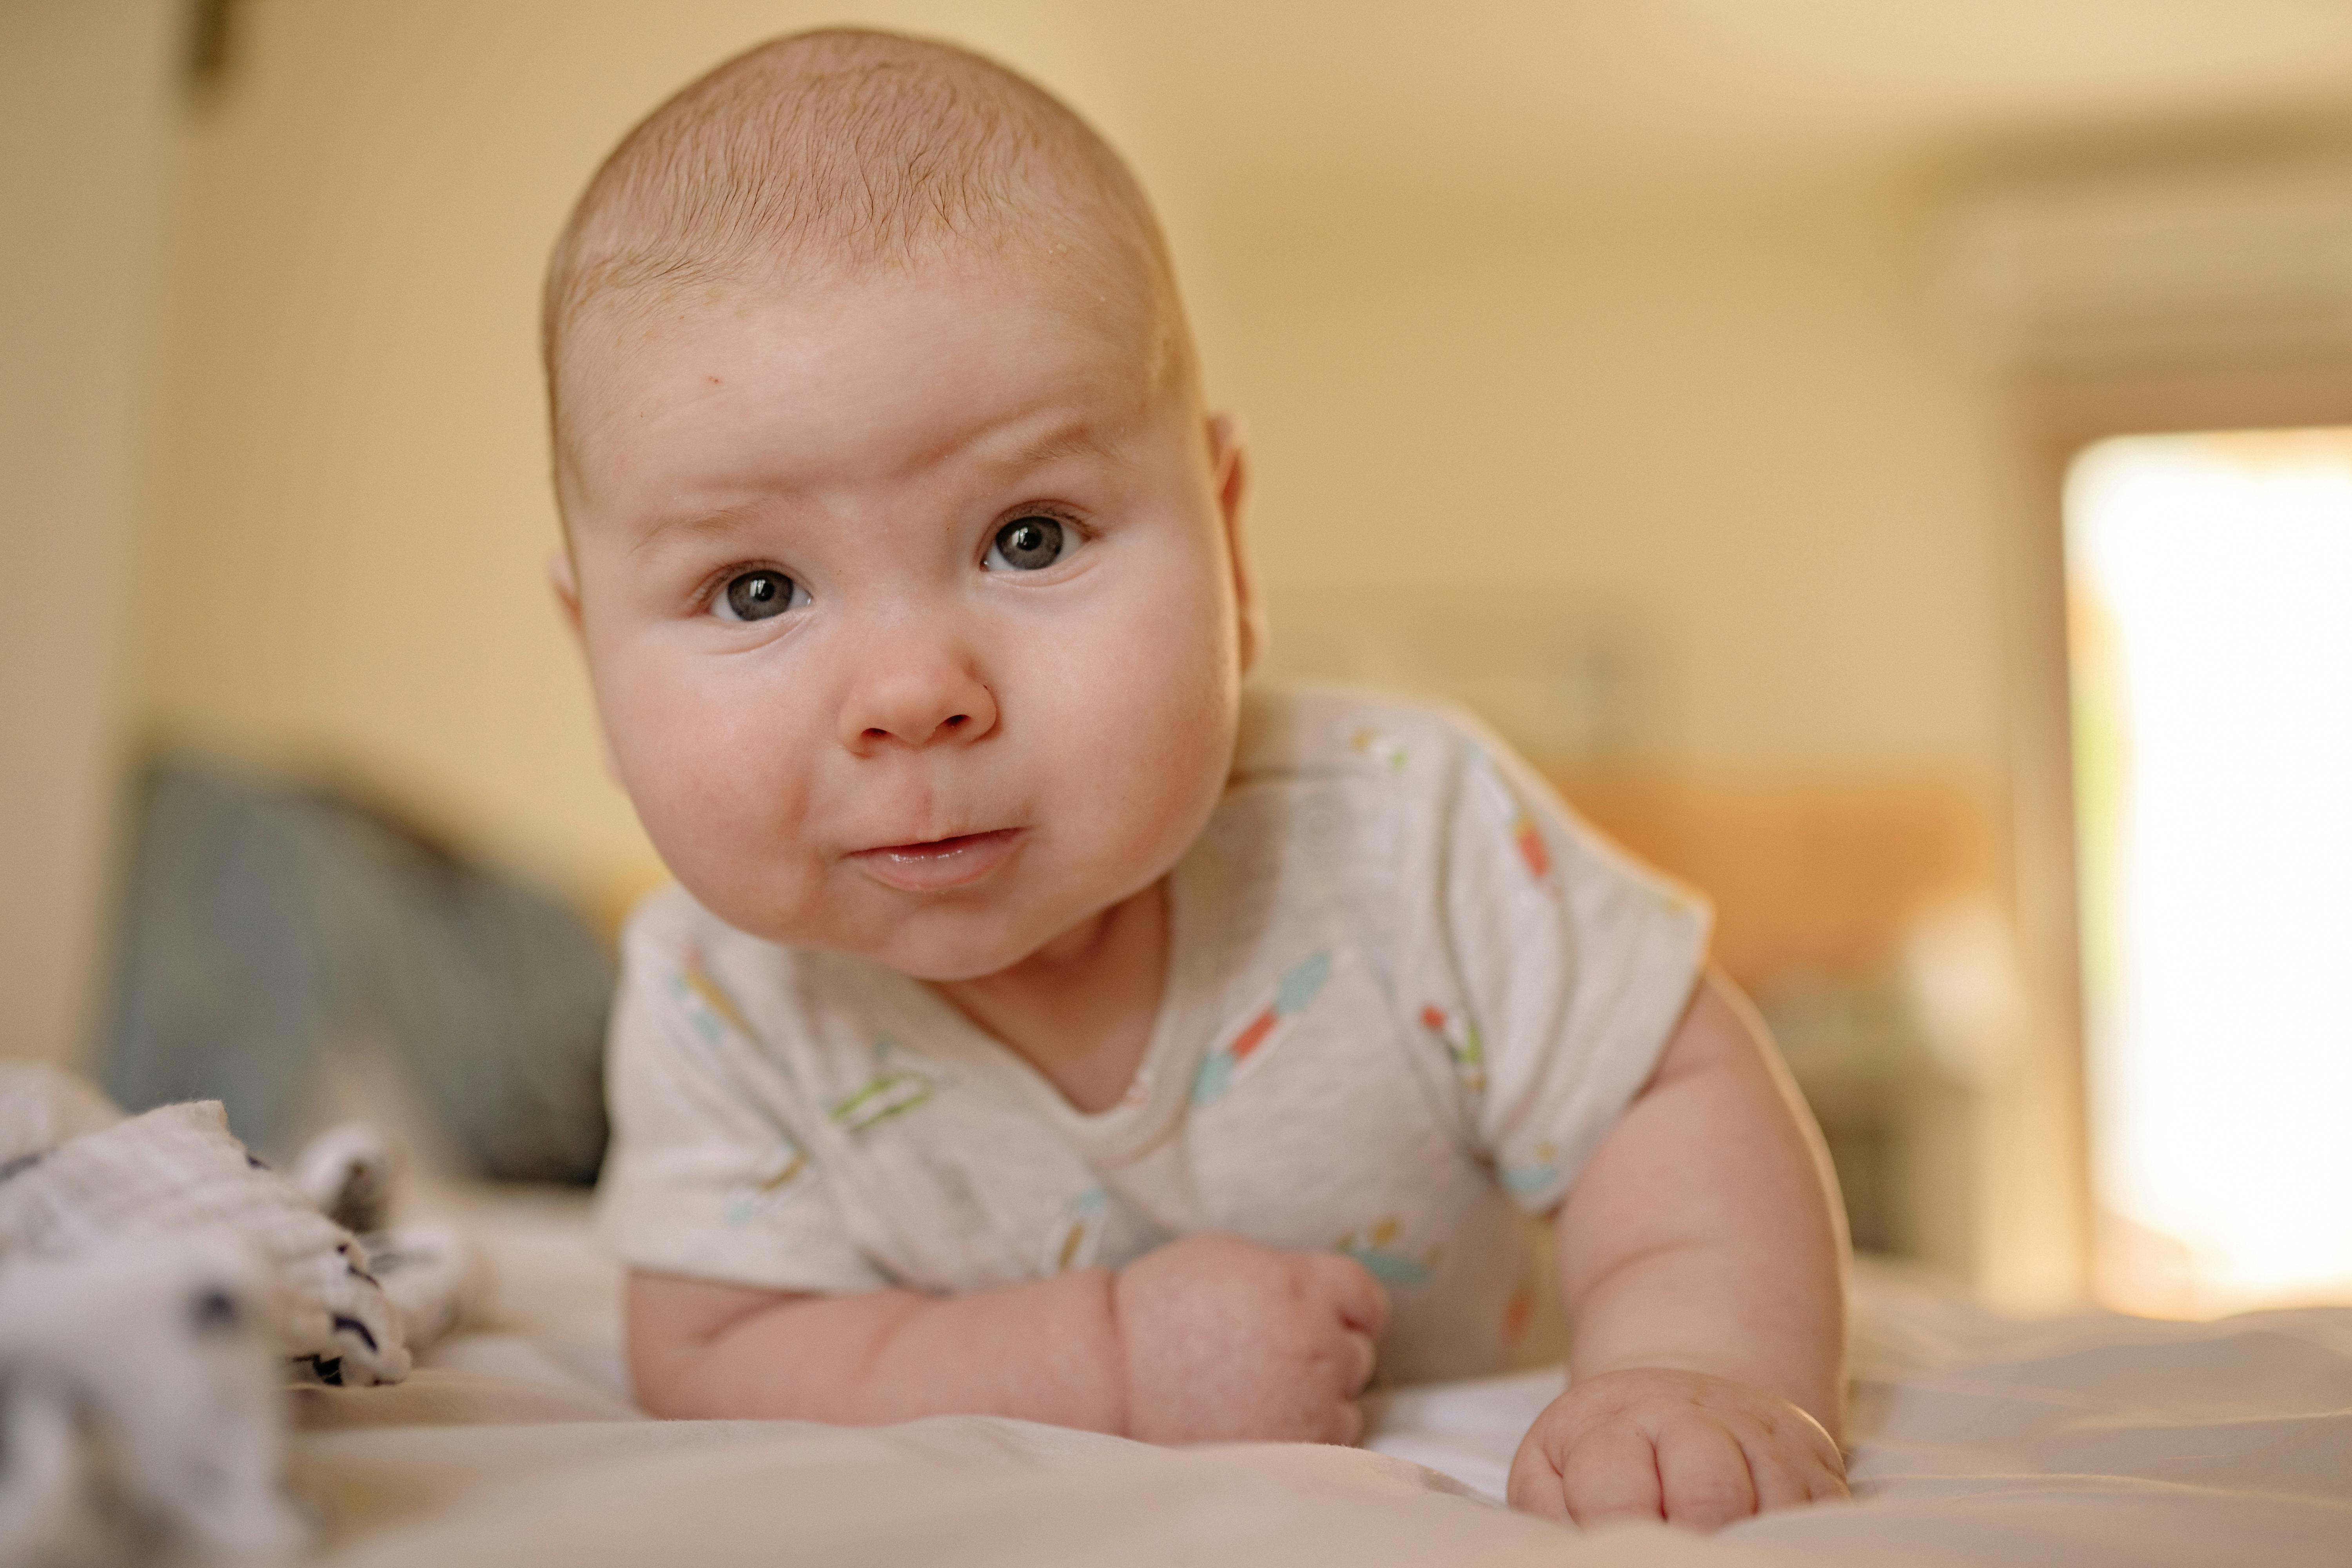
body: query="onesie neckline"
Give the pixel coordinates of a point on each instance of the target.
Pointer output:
(1156, 1098)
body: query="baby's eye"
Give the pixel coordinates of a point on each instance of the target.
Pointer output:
(757, 595)
(1028, 544)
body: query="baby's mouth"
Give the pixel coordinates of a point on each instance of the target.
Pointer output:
(938, 864)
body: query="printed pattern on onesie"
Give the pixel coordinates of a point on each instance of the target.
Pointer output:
(1408, 994)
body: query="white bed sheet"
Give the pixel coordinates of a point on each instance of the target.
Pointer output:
(1977, 1440)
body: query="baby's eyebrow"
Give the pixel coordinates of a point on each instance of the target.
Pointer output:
(718, 521)
(1057, 442)
(1067, 438)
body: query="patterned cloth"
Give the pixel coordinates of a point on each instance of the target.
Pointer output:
(140, 1408)
(176, 1171)
(1408, 994)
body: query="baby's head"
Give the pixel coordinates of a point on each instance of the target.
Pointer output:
(902, 553)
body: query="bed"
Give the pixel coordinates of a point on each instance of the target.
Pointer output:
(1976, 1439)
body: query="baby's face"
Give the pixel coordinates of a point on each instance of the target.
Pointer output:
(911, 609)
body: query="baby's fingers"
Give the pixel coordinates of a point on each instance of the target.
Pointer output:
(1703, 1476)
(1362, 1301)
(1534, 1485)
(1787, 1474)
(1611, 1473)
(1352, 1368)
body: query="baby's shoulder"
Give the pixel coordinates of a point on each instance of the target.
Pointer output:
(1334, 782)
(1305, 733)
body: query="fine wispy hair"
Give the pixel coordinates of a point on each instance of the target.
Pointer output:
(842, 151)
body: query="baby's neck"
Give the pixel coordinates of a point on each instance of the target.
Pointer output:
(1080, 1009)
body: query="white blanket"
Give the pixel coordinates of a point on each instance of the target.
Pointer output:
(2088, 1440)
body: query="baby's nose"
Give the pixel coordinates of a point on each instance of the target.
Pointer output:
(919, 697)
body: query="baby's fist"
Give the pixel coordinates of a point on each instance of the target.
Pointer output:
(1228, 1341)
(1690, 1448)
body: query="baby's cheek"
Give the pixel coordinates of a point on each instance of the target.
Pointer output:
(719, 796)
(1153, 724)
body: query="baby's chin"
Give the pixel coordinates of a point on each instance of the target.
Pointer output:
(940, 947)
(939, 954)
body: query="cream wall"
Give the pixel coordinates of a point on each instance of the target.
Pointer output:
(87, 96)
(1706, 412)
(1718, 420)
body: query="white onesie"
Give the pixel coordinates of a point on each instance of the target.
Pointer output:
(1406, 990)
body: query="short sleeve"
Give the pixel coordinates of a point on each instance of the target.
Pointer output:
(709, 1173)
(1573, 965)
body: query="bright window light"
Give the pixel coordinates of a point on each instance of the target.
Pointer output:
(2210, 581)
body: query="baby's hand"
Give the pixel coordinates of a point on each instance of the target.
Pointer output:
(1695, 1451)
(1227, 1341)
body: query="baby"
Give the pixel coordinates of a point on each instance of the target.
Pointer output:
(1044, 1026)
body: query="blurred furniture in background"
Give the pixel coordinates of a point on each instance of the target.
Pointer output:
(1815, 874)
(305, 956)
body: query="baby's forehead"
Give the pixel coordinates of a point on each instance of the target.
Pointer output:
(774, 313)
(621, 351)
(989, 364)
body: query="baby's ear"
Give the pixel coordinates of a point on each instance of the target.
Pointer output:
(1229, 477)
(560, 577)
(566, 584)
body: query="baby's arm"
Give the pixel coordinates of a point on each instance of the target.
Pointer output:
(1702, 1258)
(1206, 1339)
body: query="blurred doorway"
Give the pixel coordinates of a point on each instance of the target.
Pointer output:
(2209, 594)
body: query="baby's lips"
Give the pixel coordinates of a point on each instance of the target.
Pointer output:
(941, 863)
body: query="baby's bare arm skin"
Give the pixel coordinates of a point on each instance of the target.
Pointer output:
(1207, 1339)
(1702, 1258)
